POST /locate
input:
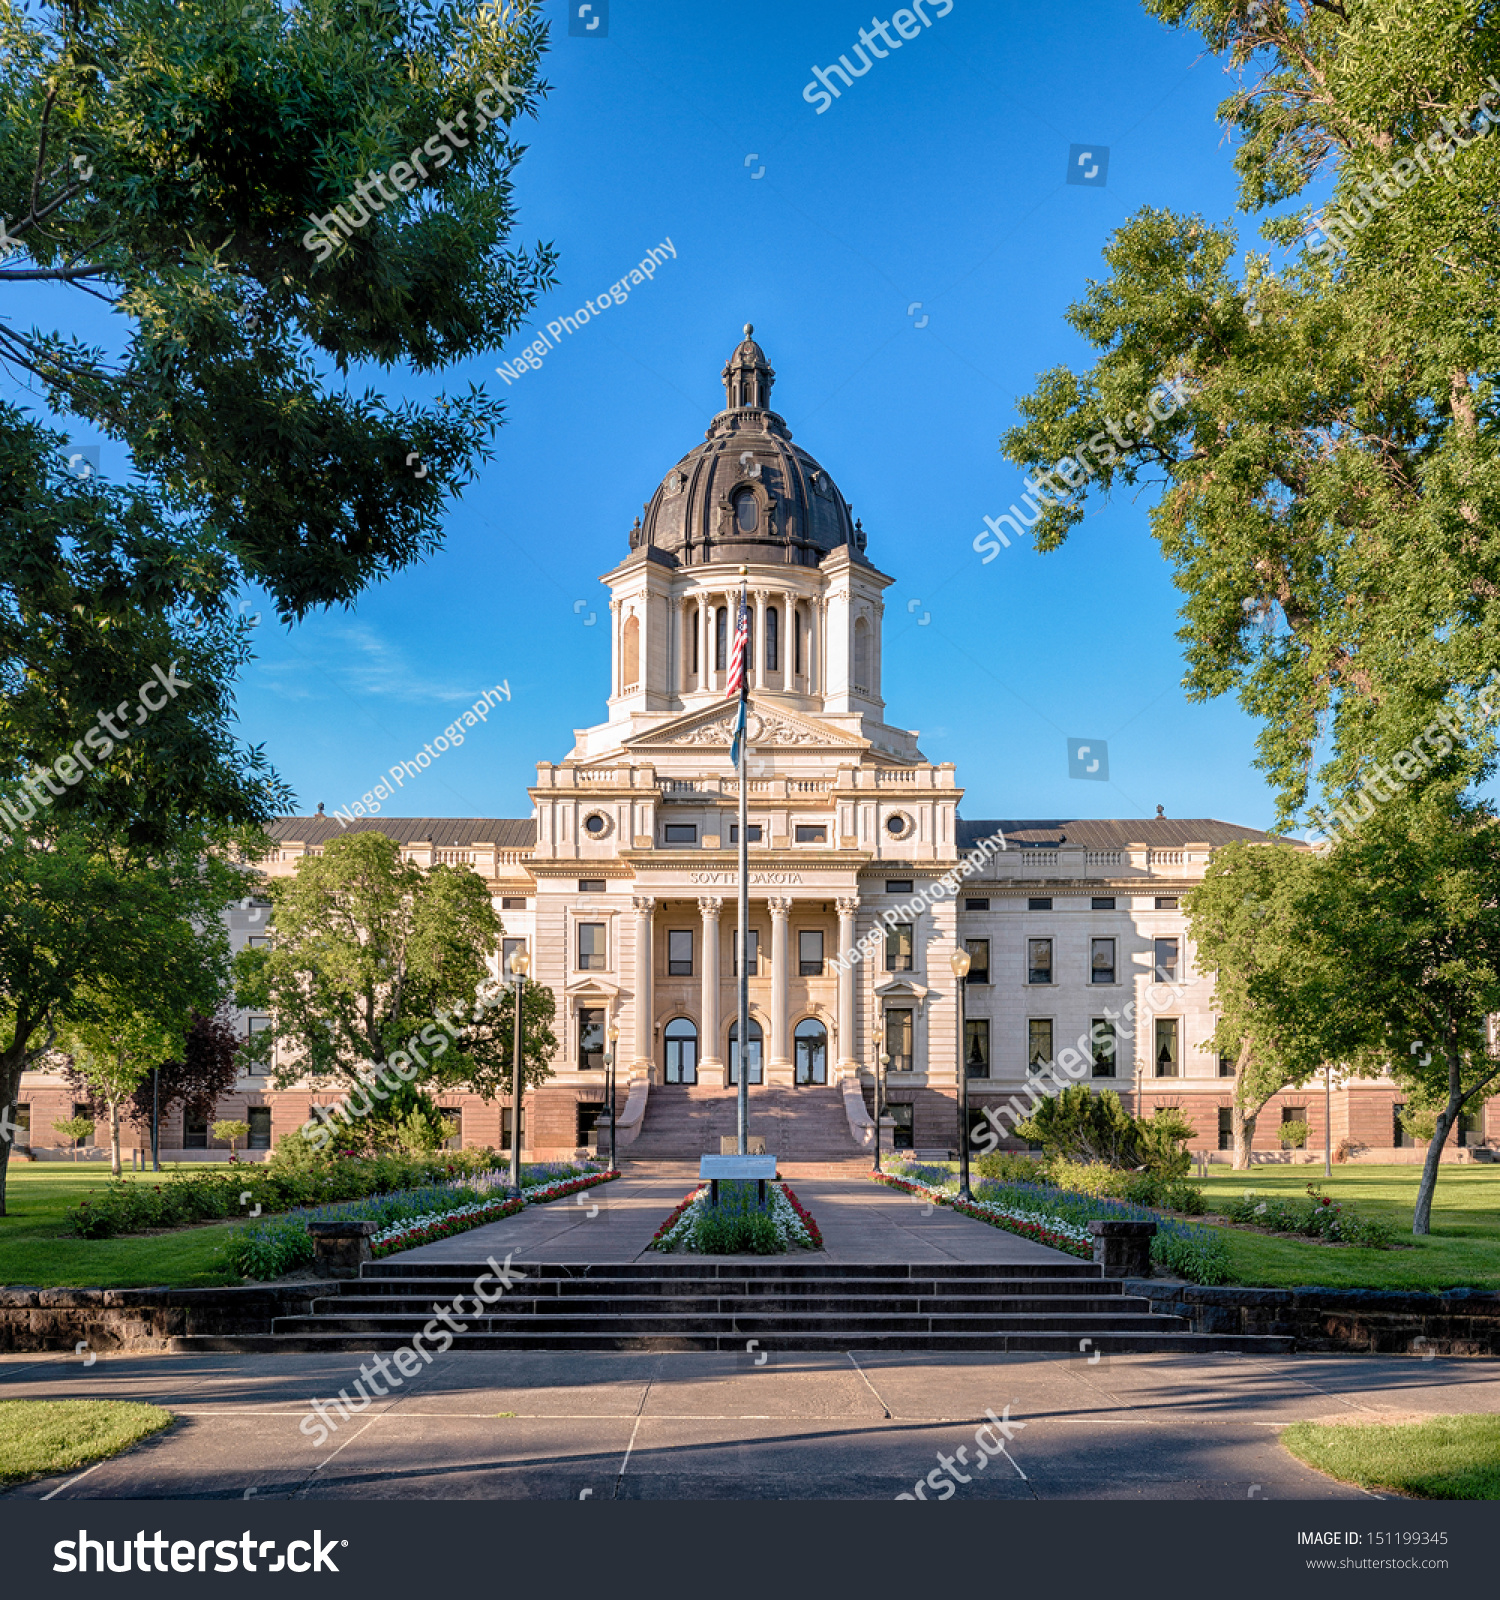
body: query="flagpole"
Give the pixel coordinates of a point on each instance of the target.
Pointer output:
(742, 1110)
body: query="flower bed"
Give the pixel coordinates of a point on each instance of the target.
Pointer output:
(1198, 1254)
(737, 1228)
(1320, 1216)
(409, 1234)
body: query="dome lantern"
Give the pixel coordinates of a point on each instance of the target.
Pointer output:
(748, 377)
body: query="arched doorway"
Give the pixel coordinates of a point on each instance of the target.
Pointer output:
(753, 1052)
(810, 1047)
(681, 1038)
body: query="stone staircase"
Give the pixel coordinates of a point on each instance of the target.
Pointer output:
(743, 1305)
(800, 1126)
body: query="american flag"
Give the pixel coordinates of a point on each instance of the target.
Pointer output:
(736, 682)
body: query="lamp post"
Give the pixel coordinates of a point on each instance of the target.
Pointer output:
(520, 965)
(1327, 1119)
(609, 1088)
(878, 1035)
(959, 961)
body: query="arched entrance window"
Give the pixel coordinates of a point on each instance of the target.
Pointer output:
(810, 1042)
(753, 1052)
(682, 1051)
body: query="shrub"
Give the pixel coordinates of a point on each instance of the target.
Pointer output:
(1320, 1216)
(231, 1130)
(267, 1249)
(1161, 1140)
(1005, 1166)
(1142, 1188)
(1079, 1125)
(1293, 1135)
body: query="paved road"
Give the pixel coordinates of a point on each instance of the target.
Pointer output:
(500, 1425)
(614, 1222)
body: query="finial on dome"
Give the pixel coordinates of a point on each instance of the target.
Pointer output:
(749, 329)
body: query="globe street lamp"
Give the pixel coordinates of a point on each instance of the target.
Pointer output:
(609, 1089)
(520, 965)
(878, 1035)
(959, 961)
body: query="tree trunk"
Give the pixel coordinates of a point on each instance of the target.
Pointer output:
(114, 1137)
(1244, 1136)
(1421, 1222)
(12, 1065)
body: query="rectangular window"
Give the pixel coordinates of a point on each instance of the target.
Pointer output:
(1039, 902)
(1226, 1127)
(1226, 1066)
(681, 833)
(903, 1128)
(508, 948)
(752, 967)
(810, 953)
(505, 1126)
(453, 1118)
(254, 1025)
(1399, 1136)
(898, 947)
(977, 1047)
(1104, 1046)
(807, 833)
(976, 905)
(591, 947)
(898, 885)
(82, 1109)
(259, 1118)
(680, 953)
(898, 1040)
(513, 902)
(194, 1133)
(1293, 1114)
(1102, 961)
(797, 641)
(1038, 1042)
(592, 886)
(753, 833)
(1166, 961)
(1103, 902)
(258, 941)
(1166, 902)
(1165, 1055)
(1039, 961)
(590, 1038)
(22, 1117)
(979, 960)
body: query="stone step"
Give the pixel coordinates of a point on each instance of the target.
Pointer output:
(737, 1267)
(559, 1291)
(1060, 1343)
(752, 1305)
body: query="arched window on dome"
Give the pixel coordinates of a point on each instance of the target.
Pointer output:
(862, 674)
(773, 640)
(746, 511)
(630, 653)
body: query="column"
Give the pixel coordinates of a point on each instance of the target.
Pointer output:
(644, 906)
(616, 664)
(848, 1060)
(711, 1067)
(758, 677)
(780, 1063)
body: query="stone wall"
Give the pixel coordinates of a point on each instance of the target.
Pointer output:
(141, 1319)
(1460, 1322)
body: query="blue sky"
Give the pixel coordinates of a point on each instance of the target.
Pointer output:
(938, 178)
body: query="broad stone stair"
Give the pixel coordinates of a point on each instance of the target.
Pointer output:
(685, 1121)
(723, 1303)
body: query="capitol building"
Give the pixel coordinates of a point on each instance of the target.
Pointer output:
(622, 881)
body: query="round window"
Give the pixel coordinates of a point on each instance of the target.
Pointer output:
(595, 823)
(895, 826)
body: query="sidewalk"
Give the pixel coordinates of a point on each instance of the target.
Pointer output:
(614, 1222)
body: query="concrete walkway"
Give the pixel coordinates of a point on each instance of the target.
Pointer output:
(860, 1221)
(629, 1426)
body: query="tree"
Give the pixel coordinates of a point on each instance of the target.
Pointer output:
(233, 1130)
(75, 1128)
(1327, 463)
(205, 1067)
(169, 159)
(111, 1054)
(374, 961)
(1247, 920)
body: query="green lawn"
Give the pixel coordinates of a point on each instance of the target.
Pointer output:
(1443, 1458)
(41, 1437)
(1462, 1251)
(38, 1248)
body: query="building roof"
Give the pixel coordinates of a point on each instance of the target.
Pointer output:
(1112, 833)
(510, 833)
(792, 511)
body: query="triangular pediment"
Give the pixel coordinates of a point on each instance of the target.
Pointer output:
(768, 728)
